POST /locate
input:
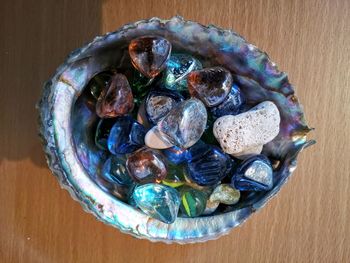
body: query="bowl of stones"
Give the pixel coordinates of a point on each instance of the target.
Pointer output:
(170, 130)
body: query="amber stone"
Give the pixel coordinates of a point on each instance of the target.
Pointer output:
(210, 85)
(149, 54)
(116, 99)
(146, 166)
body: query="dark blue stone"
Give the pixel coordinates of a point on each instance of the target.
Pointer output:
(103, 129)
(175, 155)
(114, 171)
(159, 102)
(126, 136)
(232, 105)
(210, 168)
(197, 151)
(254, 174)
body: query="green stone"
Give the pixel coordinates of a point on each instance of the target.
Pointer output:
(140, 85)
(99, 82)
(175, 177)
(225, 194)
(193, 201)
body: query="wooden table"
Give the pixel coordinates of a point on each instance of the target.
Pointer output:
(309, 221)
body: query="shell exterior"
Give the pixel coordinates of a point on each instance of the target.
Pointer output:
(66, 117)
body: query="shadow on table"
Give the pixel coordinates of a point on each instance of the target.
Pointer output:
(36, 37)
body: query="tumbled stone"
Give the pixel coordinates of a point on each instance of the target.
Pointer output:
(99, 82)
(232, 105)
(225, 194)
(149, 54)
(184, 124)
(254, 174)
(126, 136)
(114, 171)
(249, 152)
(140, 85)
(196, 151)
(210, 85)
(210, 207)
(211, 168)
(248, 130)
(159, 102)
(158, 201)
(146, 166)
(155, 140)
(103, 129)
(177, 68)
(116, 99)
(175, 155)
(193, 201)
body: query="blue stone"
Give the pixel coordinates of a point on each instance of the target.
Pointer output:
(211, 168)
(254, 174)
(184, 124)
(177, 68)
(232, 105)
(103, 129)
(126, 136)
(175, 155)
(159, 102)
(158, 201)
(197, 151)
(114, 171)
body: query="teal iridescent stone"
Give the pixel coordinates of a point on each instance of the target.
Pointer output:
(177, 68)
(184, 124)
(158, 201)
(254, 174)
(114, 171)
(193, 201)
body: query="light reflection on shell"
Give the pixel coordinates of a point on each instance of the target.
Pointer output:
(66, 115)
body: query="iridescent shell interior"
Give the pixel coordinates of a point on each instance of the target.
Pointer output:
(68, 122)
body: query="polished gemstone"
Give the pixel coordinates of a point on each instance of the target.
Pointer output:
(99, 82)
(175, 155)
(149, 54)
(159, 102)
(126, 136)
(114, 171)
(177, 68)
(211, 168)
(158, 201)
(184, 124)
(193, 201)
(225, 194)
(254, 174)
(248, 130)
(232, 105)
(140, 85)
(211, 85)
(116, 99)
(103, 129)
(146, 166)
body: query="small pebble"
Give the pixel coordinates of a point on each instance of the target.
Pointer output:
(114, 171)
(225, 194)
(155, 140)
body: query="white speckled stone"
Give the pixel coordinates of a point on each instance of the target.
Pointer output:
(153, 139)
(248, 130)
(248, 152)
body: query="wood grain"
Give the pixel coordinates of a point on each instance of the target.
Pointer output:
(309, 221)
